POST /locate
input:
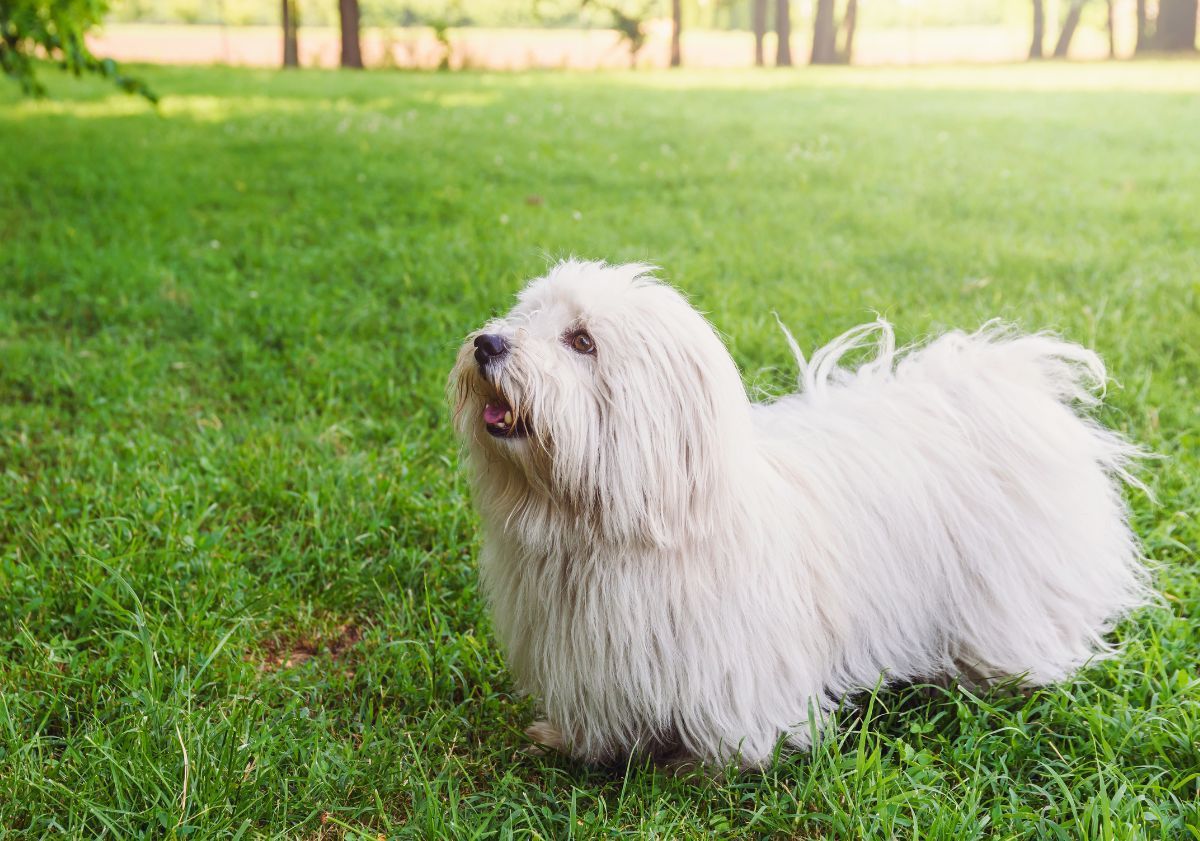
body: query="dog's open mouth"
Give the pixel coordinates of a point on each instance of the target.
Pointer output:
(500, 422)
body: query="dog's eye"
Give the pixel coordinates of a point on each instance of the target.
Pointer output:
(581, 342)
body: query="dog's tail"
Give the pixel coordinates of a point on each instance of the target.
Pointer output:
(818, 373)
(1070, 373)
(1073, 373)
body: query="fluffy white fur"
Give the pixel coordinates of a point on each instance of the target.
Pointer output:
(677, 570)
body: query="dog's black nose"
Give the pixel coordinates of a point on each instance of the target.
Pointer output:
(489, 346)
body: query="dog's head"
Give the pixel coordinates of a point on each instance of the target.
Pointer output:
(604, 394)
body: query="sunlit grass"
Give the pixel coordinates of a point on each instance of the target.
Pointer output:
(231, 523)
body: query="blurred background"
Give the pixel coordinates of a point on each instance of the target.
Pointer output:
(521, 34)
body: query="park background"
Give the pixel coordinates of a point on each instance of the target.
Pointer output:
(238, 594)
(560, 34)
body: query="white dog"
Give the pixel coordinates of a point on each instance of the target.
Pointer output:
(677, 571)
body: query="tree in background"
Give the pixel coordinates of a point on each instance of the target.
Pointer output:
(849, 25)
(630, 23)
(783, 30)
(449, 16)
(758, 13)
(57, 28)
(825, 48)
(676, 29)
(1068, 29)
(1039, 29)
(1067, 33)
(1112, 30)
(632, 29)
(1175, 27)
(291, 41)
(1172, 29)
(348, 14)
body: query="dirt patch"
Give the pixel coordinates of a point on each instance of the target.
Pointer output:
(279, 654)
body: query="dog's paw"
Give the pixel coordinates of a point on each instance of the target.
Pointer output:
(545, 736)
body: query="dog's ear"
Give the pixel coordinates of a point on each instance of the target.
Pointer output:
(674, 421)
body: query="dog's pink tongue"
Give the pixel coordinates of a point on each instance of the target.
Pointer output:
(493, 413)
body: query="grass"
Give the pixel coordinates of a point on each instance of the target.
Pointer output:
(237, 555)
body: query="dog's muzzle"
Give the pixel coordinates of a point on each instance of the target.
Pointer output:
(488, 347)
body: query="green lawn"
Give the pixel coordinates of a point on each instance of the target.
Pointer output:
(237, 580)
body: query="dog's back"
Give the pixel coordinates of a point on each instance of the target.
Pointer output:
(965, 476)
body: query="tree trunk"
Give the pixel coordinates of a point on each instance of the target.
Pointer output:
(291, 23)
(351, 49)
(1039, 29)
(759, 12)
(783, 29)
(824, 47)
(1143, 36)
(676, 28)
(1112, 31)
(849, 24)
(1175, 29)
(1068, 29)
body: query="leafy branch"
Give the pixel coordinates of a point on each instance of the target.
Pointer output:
(56, 29)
